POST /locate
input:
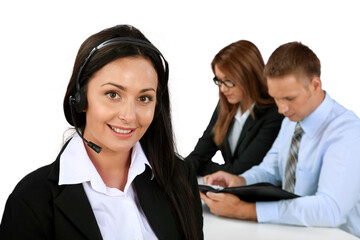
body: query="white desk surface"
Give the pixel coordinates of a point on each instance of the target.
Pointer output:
(216, 228)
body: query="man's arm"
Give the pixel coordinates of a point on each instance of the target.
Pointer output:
(229, 205)
(224, 179)
(205, 148)
(336, 196)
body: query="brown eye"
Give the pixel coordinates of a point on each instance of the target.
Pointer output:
(145, 99)
(113, 95)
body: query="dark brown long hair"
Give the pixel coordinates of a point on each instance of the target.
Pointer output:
(157, 142)
(242, 62)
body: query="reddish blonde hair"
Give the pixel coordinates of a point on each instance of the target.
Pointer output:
(242, 62)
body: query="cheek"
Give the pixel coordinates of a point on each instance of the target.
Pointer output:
(239, 93)
(98, 112)
(298, 106)
(146, 116)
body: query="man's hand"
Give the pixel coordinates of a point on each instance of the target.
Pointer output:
(229, 205)
(224, 179)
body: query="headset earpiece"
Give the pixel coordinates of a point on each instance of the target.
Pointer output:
(79, 101)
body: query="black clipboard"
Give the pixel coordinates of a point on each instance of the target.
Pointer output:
(259, 192)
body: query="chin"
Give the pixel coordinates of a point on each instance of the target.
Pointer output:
(233, 102)
(295, 119)
(120, 147)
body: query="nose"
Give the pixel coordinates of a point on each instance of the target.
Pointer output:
(223, 88)
(127, 111)
(282, 107)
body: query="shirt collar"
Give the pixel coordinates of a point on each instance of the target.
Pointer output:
(312, 123)
(238, 116)
(76, 166)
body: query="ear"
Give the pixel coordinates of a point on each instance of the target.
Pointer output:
(315, 84)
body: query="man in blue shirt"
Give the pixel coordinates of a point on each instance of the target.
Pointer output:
(327, 171)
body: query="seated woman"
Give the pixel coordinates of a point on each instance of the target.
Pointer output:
(118, 177)
(245, 122)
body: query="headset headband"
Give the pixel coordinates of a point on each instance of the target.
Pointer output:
(134, 41)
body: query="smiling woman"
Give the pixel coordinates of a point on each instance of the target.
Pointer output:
(119, 113)
(118, 177)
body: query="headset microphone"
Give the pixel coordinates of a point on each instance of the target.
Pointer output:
(92, 145)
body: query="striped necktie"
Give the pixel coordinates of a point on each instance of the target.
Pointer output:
(289, 176)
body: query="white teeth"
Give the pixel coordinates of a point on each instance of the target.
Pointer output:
(122, 131)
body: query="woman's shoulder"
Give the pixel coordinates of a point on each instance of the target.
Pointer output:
(30, 203)
(35, 184)
(180, 163)
(184, 168)
(41, 181)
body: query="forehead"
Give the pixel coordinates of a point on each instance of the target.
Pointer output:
(218, 72)
(223, 74)
(131, 71)
(284, 86)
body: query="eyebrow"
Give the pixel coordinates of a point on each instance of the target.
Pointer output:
(125, 89)
(225, 77)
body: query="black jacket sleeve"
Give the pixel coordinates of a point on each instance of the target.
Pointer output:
(205, 148)
(255, 142)
(257, 137)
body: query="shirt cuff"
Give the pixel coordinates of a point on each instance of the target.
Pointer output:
(249, 180)
(267, 212)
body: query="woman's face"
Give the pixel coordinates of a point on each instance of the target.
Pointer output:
(121, 99)
(233, 95)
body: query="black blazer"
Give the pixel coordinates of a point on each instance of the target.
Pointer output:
(39, 208)
(256, 138)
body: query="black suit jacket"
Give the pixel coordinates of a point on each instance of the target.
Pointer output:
(256, 138)
(39, 208)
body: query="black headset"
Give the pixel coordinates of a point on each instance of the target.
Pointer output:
(78, 101)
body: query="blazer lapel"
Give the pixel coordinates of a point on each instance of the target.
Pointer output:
(74, 204)
(247, 126)
(225, 146)
(249, 123)
(155, 206)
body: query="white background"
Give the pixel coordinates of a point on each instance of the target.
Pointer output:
(39, 41)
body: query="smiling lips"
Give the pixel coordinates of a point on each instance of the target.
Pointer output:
(121, 131)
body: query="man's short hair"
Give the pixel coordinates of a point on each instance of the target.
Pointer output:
(292, 58)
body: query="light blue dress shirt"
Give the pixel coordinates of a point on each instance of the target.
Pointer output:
(327, 173)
